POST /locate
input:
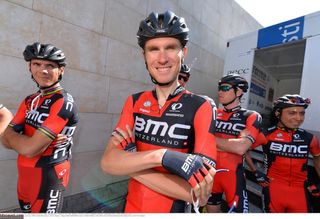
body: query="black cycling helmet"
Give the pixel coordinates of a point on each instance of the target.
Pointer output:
(291, 100)
(163, 25)
(185, 69)
(236, 81)
(288, 100)
(46, 52)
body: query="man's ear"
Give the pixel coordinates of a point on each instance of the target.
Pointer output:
(144, 55)
(184, 52)
(239, 92)
(61, 70)
(277, 113)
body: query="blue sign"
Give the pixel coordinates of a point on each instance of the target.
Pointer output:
(257, 90)
(281, 33)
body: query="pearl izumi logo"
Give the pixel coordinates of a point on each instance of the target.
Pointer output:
(46, 103)
(62, 172)
(296, 136)
(174, 111)
(235, 115)
(26, 207)
(176, 106)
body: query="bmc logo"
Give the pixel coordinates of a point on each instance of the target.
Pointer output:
(237, 127)
(160, 128)
(53, 201)
(70, 102)
(188, 163)
(37, 117)
(287, 148)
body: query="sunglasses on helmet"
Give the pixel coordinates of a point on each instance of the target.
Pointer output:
(224, 88)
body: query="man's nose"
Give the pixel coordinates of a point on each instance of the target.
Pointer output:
(162, 57)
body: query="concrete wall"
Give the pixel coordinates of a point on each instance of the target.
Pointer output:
(104, 65)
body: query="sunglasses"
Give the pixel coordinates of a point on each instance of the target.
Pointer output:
(224, 88)
(184, 78)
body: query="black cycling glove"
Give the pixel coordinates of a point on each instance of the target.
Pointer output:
(127, 144)
(261, 178)
(190, 167)
(315, 190)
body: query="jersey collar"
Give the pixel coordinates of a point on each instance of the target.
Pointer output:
(286, 129)
(233, 109)
(175, 93)
(51, 90)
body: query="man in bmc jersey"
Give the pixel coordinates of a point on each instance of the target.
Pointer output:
(173, 128)
(286, 148)
(5, 118)
(43, 161)
(232, 144)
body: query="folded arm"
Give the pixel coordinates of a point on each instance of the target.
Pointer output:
(5, 118)
(28, 146)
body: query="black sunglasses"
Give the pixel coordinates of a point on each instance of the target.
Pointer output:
(184, 78)
(224, 88)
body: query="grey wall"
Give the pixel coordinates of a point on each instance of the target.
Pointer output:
(105, 65)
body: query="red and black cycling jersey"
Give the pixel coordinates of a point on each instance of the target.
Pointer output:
(56, 112)
(229, 124)
(286, 153)
(185, 123)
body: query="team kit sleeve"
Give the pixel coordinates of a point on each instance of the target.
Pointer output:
(205, 143)
(60, 113)
(18, 121)
(253, 126)
(314, 146)
(260, 140)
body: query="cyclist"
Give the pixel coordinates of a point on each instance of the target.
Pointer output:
(184, 75)
(286, 148)
(5, 118)
(172, 126)
(43, 161)
(232, 122)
